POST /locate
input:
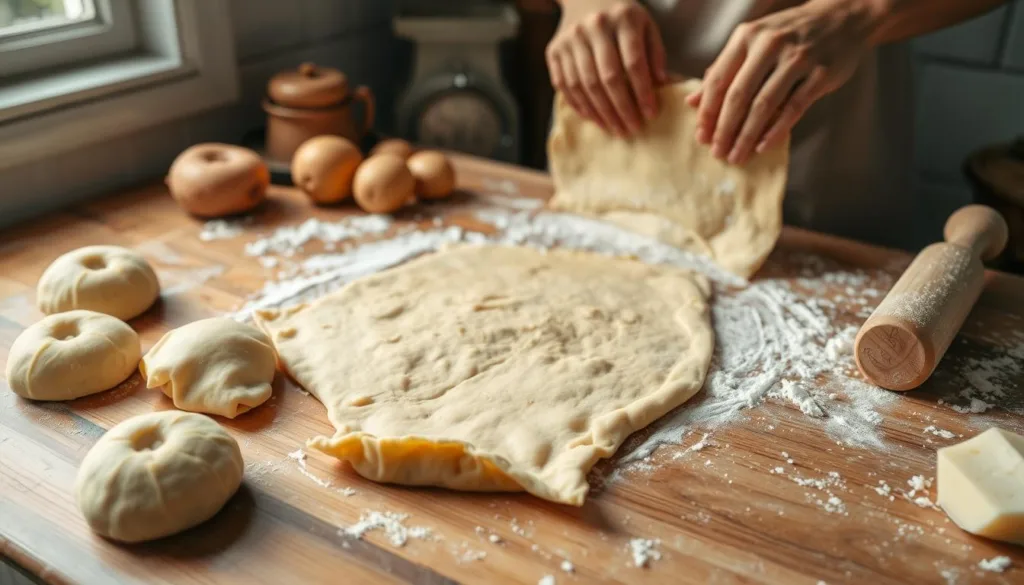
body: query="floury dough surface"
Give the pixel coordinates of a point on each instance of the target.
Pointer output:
(106, 279)
(497, 368)
(666, 185)
(70, 355)
(214, 366)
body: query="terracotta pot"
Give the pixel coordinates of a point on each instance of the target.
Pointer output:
(312, 101)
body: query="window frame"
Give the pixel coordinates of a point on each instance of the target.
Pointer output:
(111, 30)
(184, 64)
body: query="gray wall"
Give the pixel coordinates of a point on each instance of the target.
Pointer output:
(970, 93)
(271, 35)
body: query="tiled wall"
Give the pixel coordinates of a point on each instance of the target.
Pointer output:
(271, 35)
(970, 93)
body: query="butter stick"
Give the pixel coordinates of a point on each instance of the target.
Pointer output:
(981, 485)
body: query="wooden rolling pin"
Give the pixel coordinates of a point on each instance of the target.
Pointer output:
(904, 339)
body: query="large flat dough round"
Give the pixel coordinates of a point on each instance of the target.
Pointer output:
(666, 185)
(497, 368)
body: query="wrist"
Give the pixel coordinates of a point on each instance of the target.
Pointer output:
(863, 18)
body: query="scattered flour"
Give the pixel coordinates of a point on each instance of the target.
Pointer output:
(939, 432)
(220, 229)
(463, 553)
(391, 523)
(995, 564)
(644, 551)
(567, 567)
(288, 240)
(300, 457)
(547, 580)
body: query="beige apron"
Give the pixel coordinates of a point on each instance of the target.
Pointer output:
(850, 172)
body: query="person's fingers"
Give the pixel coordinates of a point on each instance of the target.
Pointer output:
(716, 82)
(809, 91)
(764, 108)
(613, 82)
(590, 82)
(656, 53)
(638, 68)
(763, 56)
(574, 93)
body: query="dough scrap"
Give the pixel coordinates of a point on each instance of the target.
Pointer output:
(215, 366)
(106, 279)
(70, 355)
(157, 474)
(665, 175)
(497, 368)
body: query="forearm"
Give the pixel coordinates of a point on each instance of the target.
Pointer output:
(891, 21)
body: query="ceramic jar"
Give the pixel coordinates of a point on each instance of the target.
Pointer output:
(312, 101)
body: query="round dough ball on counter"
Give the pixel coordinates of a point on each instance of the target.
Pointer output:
(70, 355)
(395, 146)
(157, 474)
(215, 366)
(106, 279)
(324, 166)
(383, 184)
(214, 179)
(435, 176)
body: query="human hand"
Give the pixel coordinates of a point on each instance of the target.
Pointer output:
(605, 59)
(771, 71)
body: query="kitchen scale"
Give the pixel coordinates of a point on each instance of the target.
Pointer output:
(456, 98)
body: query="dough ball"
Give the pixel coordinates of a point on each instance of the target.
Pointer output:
(435, 177)
(395, 146)
(213, 179)
(72, 354)
(324, 166)
(383, 184)
(106, 279)
(216, 366)
(157, 474)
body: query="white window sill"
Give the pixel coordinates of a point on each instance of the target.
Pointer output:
(37, 95)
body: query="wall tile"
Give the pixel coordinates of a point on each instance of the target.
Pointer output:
(975, 41)
(961, 109)
(265, 26)
(1014, 52)
(330, 18)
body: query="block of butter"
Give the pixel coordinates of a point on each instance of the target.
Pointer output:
(981, 485)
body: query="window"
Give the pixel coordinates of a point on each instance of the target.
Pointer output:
(40, 34)
(77, 72)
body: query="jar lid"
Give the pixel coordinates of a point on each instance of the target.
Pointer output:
(309, 86)
(1001, 168)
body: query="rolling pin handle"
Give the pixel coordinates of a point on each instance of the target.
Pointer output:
(978, 228)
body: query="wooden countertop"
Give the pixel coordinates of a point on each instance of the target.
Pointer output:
(739, 523)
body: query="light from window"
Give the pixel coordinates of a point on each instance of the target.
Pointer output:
(18, 17)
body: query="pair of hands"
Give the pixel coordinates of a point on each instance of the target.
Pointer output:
(607, 59)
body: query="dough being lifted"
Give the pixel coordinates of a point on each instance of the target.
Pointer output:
(216, 366)
(157, 474)
(497, 368)
(70, 355)
(666, 185)
(106, 279)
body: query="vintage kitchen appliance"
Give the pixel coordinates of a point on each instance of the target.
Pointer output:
(456, 97)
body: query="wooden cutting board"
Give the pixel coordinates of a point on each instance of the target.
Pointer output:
(721, 515)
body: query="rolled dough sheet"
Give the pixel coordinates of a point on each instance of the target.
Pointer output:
(497, 368)
(666, 185)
